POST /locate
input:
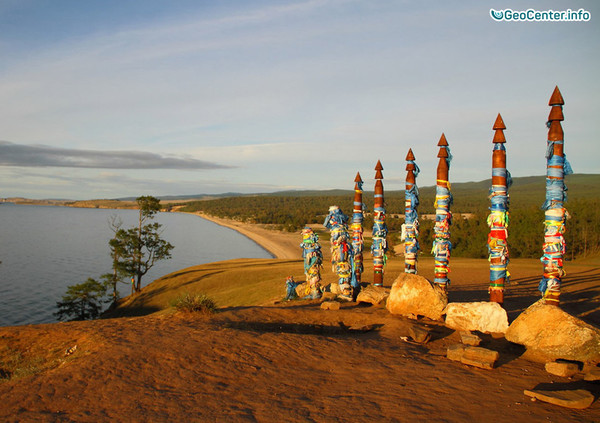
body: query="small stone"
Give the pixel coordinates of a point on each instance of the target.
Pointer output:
(592, 375)
(578, 398)
(455, 352)
(335, 288)
(562, 368)
(362, 328)
(473, 356)
(330, 305)
(468, 338)
(483, 316)
(301, 290)
(480, 357)
(373, 294)
(419, 334)
(487, 365)
(328, 296)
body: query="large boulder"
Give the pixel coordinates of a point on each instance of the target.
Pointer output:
(413, 295)
(486, 317)
(549, 334)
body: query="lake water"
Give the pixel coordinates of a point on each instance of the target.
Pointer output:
(45, 249)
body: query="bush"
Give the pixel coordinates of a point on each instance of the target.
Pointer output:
(197, 303)
(82, 301)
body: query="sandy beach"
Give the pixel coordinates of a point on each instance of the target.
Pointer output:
(282, 245)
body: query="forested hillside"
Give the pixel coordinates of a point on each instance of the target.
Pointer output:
(293, 210)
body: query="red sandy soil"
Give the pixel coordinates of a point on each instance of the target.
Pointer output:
(287, 362)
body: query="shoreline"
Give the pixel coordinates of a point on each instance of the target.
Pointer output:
(280, 245)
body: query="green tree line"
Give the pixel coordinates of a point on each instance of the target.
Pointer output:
(469, 231)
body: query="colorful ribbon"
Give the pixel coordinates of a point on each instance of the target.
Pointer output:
(313, 261)
(410, 228)
(341, 250)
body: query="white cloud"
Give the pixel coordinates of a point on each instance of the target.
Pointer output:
(12, 154)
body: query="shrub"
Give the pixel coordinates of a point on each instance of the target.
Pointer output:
(196, 303)
(82, 301)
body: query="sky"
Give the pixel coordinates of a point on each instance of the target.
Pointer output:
(116, 98)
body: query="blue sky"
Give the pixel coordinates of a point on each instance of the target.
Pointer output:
(103, 99)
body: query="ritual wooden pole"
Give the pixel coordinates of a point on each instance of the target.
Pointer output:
(313, 261)
(410, 228)
(443, 217)
(555, 213)
(379, 245)
(498, 218)
(357, 232)
(341, 250)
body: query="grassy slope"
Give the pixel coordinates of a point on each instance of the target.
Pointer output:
(237, 282)
(246, 282)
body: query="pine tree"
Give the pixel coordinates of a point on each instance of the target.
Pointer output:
(82, 301)
(136, 250)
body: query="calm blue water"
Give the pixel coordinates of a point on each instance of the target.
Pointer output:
(45, 249)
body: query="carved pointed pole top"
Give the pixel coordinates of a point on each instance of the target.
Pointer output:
(499, 123)
(443, 165)
(443, 142)
(378, 168)
(555, 131)
(556, 99)
(410, 157)
(499, 127)
(358, 182)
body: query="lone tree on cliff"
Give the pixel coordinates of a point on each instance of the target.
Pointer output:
(137, 249)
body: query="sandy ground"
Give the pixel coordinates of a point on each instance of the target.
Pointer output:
(287, 362)
(284, 363)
